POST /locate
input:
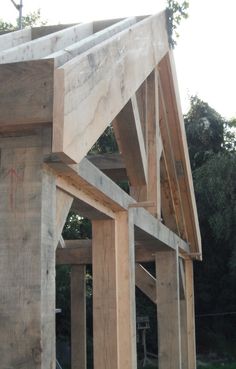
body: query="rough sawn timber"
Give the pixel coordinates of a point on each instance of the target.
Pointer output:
(91, 89)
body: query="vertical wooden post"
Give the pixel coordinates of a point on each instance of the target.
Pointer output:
(190, 314)
(27, 254)
(126, 291)
(113, 294)
(168, 310)
(105, 314)
(78, 317)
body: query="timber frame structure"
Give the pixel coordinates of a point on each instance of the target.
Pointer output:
(60, 87)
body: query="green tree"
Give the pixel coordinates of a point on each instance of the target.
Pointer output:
(175, 12)
(211, 141)
(32, 19)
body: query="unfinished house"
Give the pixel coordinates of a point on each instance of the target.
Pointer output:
(60, 88)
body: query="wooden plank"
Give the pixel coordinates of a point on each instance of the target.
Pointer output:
(170, 159)
(149, 228)
(96, 184)
(12, 39)
(91, 89)
(190, 310)
(126, 291)
(78, 317)
(180, 149)
(167, 198)
(63, 205)
(182, 283)
(110, 164)
(145, 282)
(27, 256)
(154, 145)
(62, 56)
(79, 252)
(105, 309)
(129, 136)
(94, 208)
(168, 310)
(48, 29)
(46, 45)
(27, 96)
(99, 191)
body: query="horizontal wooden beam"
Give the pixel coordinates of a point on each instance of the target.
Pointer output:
(110, 164)
(64, 55)
(12, 39)
(91, 89)
(27, 96)
(96, 184)
(46, 45)
(151, 229)
(80, 252)
(93, 187)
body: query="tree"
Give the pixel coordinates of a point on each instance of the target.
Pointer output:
(32, 19)
(211, 141)
(175, 12)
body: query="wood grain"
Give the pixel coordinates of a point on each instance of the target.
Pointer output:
(93, 88)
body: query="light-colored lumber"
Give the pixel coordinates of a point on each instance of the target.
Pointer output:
(42, 31)
(190, 314)
(126, 291)
(170, 160)
(63, 205)
(101, 193)
(27, 254)
(153, 145)
(46, 45)
(168, 79)
(27, 95)
(87, 204)
(145, 282)
(91, 180)
(79, 252)
(110, 164)
(62, 56)
(78, 317)
(105, 299)
(127, 124)
(91, 89)
(152, 229)
(114, 297)
(12, 39)
(167, 198)
(168, 310)
(182, 283)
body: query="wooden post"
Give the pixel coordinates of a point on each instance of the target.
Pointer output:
(126, 291)
(190, 314)
(78, 317)
(168, 310)
(113, 294)
(27, 254)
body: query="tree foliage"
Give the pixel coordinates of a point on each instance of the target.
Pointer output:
(175, 12)
(211, 141)
(32, 19)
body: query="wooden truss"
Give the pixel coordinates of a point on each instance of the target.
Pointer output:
(60, 87)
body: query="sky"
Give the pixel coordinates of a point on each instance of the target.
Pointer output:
(205, 54)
